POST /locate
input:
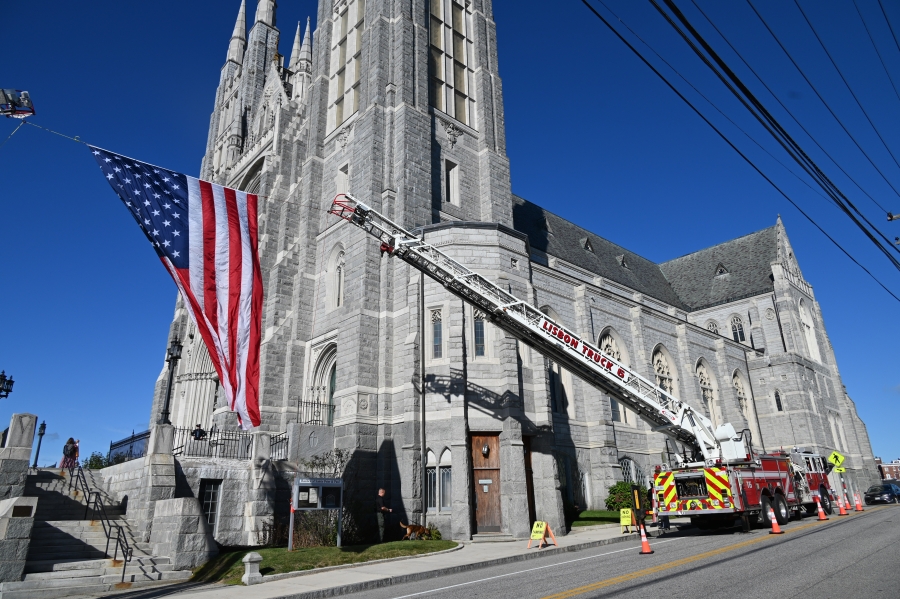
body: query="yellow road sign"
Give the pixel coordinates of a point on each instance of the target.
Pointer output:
(625, 517)
(840, 469)
(836, 458)
(538, 532)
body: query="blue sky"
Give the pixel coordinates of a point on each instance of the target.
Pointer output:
(86, 304)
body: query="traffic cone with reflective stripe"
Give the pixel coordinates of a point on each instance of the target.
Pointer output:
(822, 515)
(847, 500)
(776, 530)
(859, 507)
(842, 511)
(645, 546)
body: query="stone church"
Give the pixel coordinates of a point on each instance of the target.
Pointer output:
(402, 105)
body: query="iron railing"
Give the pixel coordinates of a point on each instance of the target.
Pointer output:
(315, 412)
(94, 504)
(279, 446)
(129, 448)
(235, 445)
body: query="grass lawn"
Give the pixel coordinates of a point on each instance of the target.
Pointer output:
(228, 568)
(591, 517)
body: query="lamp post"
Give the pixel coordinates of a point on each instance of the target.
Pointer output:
(41, 430)
(174, 355)
(6, 384)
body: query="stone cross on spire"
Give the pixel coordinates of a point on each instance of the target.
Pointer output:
(239, 38)
(265, 12)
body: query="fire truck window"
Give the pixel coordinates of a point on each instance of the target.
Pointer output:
(809, 466)
(691, 487)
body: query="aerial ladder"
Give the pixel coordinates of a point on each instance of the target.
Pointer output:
(665, 413)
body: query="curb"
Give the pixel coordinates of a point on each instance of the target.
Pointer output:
(298, 573)
(392, 580)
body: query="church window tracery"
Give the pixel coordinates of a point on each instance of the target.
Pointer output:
(451, 51)
(610, 346)
(737, 329)
(663, 369)
(713, 327)
(346, 59)
(707, 389)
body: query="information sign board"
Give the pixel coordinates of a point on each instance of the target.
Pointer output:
(311, 494)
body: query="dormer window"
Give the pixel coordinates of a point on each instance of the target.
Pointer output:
(721, 270)
(586, 244)
(621, 260)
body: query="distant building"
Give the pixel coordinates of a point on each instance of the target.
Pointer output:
(402, 103)
(889, 471)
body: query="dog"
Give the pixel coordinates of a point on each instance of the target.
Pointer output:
(415, 530)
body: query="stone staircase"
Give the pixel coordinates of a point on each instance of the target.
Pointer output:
(68, 555)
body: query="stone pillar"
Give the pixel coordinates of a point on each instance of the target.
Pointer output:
(16, 520)
(259, 510)
(181, 533)
(548, 501)
(251, 568)
(15, 455)
(159, 476)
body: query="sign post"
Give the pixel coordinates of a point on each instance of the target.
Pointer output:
(313, 494)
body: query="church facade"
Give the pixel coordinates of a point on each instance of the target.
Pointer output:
(401, 104)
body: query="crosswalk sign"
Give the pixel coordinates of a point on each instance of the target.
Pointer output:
(836, 458)
(840, 469)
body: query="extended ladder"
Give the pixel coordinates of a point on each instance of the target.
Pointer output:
(529, 325)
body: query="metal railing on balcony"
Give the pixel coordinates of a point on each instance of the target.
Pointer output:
(129, 448)
(235, 445)
(279, 446)
(315, 412)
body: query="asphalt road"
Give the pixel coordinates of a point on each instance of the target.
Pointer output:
(844, 558)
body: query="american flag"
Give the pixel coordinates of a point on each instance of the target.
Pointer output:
(206, 236)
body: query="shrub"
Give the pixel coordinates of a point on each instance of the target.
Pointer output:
(619, 496)
(95, 462)
(433, 533)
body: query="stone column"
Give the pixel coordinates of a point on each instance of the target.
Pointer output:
(15, 455)
(259, 510)
(159, 476)
(180, 532)
(16, 520)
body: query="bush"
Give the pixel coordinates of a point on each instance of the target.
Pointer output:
(433, 533)
(95, 462)
(619, 496)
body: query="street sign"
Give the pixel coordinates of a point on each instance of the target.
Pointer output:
(836, 458)
(626, 519)
(538, 532)
(840, 470)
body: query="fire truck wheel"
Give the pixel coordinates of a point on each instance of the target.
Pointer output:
(825, 500)
(762, 519)
(782, 514)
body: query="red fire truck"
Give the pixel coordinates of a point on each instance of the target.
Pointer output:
(714, 496)
(722, 478)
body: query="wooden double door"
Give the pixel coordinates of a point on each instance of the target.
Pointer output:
(486, 481)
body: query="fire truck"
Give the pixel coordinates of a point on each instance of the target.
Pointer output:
(717, 478)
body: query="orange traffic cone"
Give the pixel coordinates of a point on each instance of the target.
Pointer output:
(822, 515)
(842, 511)
(776, 530)
(859, 507)
(847, 500)
(645, 546)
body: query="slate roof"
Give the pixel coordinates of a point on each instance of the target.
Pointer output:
(690, 282)
(746, 259)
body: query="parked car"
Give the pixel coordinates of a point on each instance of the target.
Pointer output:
(885, 493)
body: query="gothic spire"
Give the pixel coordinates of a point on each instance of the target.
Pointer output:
(239, 37)
(265, 12)
(302, 50)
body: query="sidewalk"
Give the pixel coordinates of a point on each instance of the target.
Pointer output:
(330, 582)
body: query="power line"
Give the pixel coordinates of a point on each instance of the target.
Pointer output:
(728, 141)
(849, 89)
(816, 91)
(877, 51)
(891, 27)
(771, 124)
(786, 109)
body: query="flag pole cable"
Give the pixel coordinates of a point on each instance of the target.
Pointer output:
(13, 133)
(76, 138)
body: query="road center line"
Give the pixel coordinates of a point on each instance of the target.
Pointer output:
(668, 566)
(571, 561)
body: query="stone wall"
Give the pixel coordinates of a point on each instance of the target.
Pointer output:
(181, 533)
(16, 520)
(15, 455)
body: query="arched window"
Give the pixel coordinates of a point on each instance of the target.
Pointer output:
(741, 389)
(708, 390)
(479, 333)
(778, 405)
(318, 408)
(664, 371)
(431, 482)
(445, 481)
(611, 345)
(713, 327)
(809, 332)
(737, 329)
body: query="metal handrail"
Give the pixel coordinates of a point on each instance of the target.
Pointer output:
(78, 479)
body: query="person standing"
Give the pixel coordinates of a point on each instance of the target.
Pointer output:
(382, 510)
(70, 454)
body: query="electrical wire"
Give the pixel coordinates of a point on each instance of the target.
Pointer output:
(729, 142)
(850, 89)
(816, 91)
(759, 111)
(877, 51)
(891, 27)
(785, 108)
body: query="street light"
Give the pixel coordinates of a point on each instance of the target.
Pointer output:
(6, 384)
(41, 430)
(174, 355)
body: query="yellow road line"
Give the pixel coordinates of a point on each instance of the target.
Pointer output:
(668, 566)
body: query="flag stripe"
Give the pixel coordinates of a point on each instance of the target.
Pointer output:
(236, 250)
(255, 314)
(210, 301)
(195, 239)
